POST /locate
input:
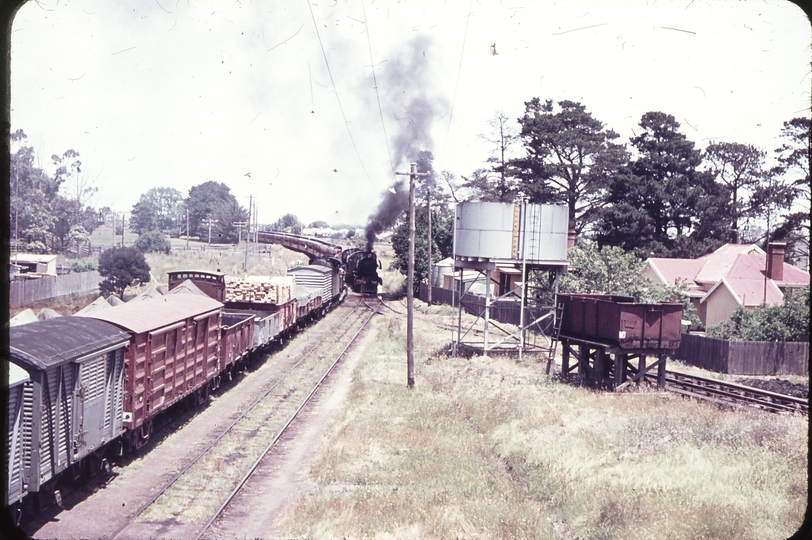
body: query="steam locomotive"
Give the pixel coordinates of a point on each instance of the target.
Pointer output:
(361, 267)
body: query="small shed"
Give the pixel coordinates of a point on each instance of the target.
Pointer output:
(33, 263)
(76, 367)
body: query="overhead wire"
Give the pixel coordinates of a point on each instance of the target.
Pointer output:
(335, 91)
(457, 84)
(375, 83)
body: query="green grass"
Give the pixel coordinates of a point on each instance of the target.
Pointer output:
(492, 448)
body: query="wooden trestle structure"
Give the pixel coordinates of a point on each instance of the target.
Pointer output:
(609, 366)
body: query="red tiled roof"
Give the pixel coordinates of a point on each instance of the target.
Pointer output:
(719, 263)
(740, 266)
(750, 292)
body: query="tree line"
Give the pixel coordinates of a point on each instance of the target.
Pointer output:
(659, 195)
(49, 213)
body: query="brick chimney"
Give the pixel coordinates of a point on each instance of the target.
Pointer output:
(570, 238)
(775, 260)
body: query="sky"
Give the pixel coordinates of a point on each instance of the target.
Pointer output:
(311, 107)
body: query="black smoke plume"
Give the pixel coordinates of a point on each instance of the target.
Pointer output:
(392, 206)
(409, 86)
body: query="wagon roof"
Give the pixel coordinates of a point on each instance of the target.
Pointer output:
(187, 287)
(62, 339)
(156, 313)
(16, 375)
(310, 268)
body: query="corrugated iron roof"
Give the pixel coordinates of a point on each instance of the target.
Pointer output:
(156, 313)
(62, 339)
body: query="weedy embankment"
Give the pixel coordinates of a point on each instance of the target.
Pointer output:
(492, 448)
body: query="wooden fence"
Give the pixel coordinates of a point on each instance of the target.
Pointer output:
(504, 311)
(26, 291)
(744, 357)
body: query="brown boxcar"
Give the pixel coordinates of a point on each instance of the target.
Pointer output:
(622, 321)
(174, 352)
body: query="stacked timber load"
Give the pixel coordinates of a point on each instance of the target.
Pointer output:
(261, 289)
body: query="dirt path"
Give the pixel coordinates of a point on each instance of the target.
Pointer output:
(258, 510)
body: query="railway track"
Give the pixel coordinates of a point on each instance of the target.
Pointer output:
(731, 394)
(203, 488)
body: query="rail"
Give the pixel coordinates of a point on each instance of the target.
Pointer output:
(731, 394)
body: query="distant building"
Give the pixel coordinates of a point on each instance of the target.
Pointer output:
(734, 275)
(34, 265)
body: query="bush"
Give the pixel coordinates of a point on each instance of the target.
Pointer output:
(121, 268)
(153, 242)
(611, 270)
(789, 322)
(84, 266)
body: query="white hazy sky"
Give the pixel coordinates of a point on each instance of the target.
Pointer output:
(178, 92)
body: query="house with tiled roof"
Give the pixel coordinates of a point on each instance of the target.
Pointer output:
(732, 276)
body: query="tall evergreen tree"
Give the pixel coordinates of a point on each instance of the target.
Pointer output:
(661, 203)
(569, 156)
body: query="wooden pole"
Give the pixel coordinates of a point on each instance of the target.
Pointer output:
(410, 286)
(430, 284)
(413, 174)
(248, 232)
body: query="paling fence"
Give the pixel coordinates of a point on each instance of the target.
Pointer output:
(504, 311)
(744, 357)
(25, 291)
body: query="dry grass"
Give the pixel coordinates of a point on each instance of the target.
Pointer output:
(492, 448)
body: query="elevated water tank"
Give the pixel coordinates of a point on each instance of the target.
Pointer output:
(492, 231)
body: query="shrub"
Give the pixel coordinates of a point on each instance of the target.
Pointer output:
(122, 267)
(789, 322)
(84, 266)
(153, 242)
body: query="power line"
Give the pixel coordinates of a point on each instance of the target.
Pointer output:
(457, 84)
(335, 90)
(375, 82)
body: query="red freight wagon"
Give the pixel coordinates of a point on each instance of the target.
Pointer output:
(173, 353)
(237, 338)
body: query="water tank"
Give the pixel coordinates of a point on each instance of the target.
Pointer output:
(487, 231)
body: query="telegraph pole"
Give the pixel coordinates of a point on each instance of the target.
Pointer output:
(248, 231)
(187, 228)
(428, 204)
(210, 222)
(410, 280)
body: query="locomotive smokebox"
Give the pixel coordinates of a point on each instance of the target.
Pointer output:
(506, 232)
